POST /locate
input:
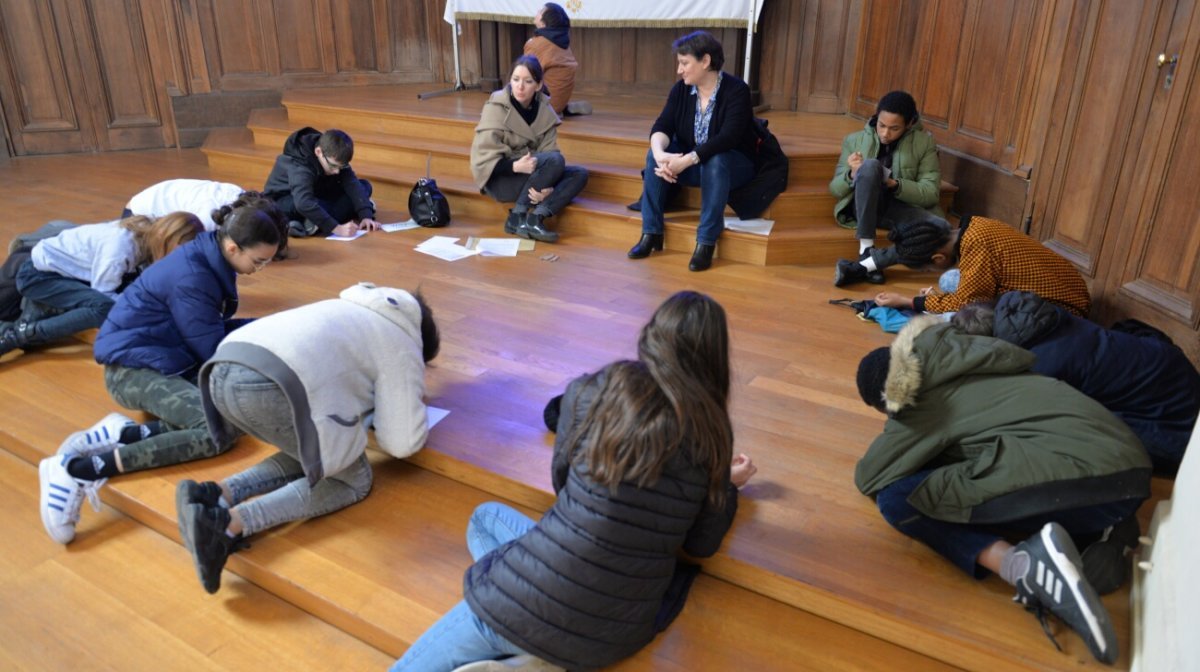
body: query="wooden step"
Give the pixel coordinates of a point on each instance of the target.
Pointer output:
(516, 330)
(384, 570)
(233, 159)
(124, 597)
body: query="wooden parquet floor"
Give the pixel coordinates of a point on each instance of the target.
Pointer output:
(515, 330)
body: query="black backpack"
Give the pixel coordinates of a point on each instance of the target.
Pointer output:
(750, 200)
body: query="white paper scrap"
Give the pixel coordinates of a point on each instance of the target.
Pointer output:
(761, 227)
(357, 235)
(435, 415)
(399, 226)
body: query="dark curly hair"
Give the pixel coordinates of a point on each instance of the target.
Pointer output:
(916, 243)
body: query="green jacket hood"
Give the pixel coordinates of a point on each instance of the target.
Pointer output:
(929, 352)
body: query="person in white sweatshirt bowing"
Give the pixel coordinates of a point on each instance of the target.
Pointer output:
(276, 379)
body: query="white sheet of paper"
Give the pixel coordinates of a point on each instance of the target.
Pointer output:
(498, 247)
(399, 226)
(760, 227)
(445, 247)
(438, 241)
(435, 415)
(357, 234)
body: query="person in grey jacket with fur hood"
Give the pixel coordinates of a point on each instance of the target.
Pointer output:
(274, 379)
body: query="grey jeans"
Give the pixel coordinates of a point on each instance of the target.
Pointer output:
(257, 406)
(875, 208)
(552, 171)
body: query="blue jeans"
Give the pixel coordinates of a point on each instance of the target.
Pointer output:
(961, 543)
(83, 307)
(716, 177)
(256, 405)
(460, 637)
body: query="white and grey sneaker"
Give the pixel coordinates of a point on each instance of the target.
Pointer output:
(1055, 583)
(524, 662)
(100, 437)
(62, 497)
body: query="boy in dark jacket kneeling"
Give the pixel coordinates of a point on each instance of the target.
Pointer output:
(972, 451)
(313, 184)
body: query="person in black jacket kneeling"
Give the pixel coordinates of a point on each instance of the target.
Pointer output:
(643, 466)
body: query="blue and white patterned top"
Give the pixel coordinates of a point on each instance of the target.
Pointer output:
(704, 117)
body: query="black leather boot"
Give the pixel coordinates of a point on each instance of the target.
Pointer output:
(702, 257)
(513, 222)
(533, 227)
(649, 242)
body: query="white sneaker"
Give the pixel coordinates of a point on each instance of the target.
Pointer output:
(524, 662)
(100, 437)
(62, 496)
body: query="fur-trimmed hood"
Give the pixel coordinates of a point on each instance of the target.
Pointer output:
(929, 352)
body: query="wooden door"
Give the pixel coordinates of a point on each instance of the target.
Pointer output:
(1152, 258)
(76, 76)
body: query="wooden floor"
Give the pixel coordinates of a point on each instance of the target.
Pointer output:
(515, 331)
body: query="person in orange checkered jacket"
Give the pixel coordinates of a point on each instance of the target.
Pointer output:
(993, 258)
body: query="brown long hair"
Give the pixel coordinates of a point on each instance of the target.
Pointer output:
(157, 238)
(676, 396)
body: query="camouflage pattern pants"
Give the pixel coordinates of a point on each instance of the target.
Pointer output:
(173, 400)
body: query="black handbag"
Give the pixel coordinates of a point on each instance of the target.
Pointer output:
(427, 205)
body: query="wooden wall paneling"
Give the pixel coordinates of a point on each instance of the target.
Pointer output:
(825, 60)
(236, 46)
(416, 36)
(941, 63)
(1082, 168)
(187, 44)
(875, 73)
(304, 36)
(1156, 247)
(782, 31)
(354, 30)
(36, 90)
(127, 101)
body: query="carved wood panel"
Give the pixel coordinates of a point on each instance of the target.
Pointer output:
(276, 44)
(807, 53)
(965, 62)
(1091, 128)
(1155, 261)
(77, 77)
(35, 90)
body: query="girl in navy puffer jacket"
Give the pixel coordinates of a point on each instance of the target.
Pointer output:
(162, 328)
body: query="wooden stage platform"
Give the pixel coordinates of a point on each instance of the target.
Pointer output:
(810, 578)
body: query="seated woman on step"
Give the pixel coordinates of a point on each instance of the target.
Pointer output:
(515, 155)
(162, 328)
(551, 45)
(70, 281)
(274, 379)
(643, 466)
(704, 137)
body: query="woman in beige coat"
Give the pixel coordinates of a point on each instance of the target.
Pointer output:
(515, 157)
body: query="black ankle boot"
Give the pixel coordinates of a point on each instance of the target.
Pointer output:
(513, 222)
(532, 227)
(649, 242)
(702, 257)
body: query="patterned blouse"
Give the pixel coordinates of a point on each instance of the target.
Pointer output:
(704, 117)
(995, 258)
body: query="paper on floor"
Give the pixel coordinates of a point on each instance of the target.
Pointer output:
(761, 227)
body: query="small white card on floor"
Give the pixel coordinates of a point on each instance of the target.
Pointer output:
(435, 415)
(357, 235)
(761, 227)
(495, 247)
(399, 226)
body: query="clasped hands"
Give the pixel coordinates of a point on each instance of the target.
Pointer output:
(669, 166)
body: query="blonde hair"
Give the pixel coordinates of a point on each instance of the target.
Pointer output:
(157, 238)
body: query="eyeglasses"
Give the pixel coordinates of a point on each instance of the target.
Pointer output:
(258, 264)
(335, 167)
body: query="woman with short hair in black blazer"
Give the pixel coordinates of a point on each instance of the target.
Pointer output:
(704, 137)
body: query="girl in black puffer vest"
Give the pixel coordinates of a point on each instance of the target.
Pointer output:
(643, 467)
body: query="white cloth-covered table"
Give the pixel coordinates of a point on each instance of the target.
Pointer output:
(613, 13)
